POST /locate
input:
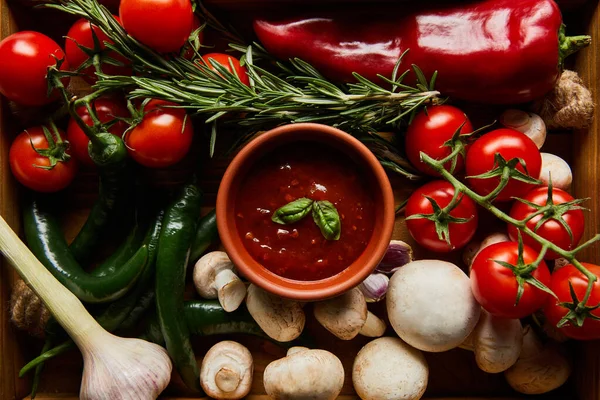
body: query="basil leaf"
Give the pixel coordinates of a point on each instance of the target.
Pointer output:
(292, 212)
(327, 219)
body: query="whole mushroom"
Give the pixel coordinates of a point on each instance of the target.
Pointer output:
(389, 369)
(540, 368)
(347, 315)
(214, 277)
(227, 370)
(525, 122)
(304, 374)
(430, 305)
(281, 319)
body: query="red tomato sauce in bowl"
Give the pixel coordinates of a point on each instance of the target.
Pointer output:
(298, 250)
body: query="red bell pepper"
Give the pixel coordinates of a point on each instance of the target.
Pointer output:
(491, 51)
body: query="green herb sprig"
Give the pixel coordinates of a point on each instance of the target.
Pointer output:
(297, 92)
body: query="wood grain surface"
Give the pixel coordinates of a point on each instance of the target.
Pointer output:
(454, 374)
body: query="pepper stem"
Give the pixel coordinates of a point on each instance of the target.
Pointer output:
(568, 45)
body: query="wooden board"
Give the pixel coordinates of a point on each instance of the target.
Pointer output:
(454, 374)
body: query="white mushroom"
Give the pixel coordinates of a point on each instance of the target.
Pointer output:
(304, 374)
(528, 123)
(430, 305)
(497, 342)
(389, 369)
(281, 319)
(347, 315)
(214, 277)
(557, 168)
(226, 371)
(539, 369)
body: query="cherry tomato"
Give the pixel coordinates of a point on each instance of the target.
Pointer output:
(26, 57)
(509, 144)
(81, 33)
(590, 330)
(162, 138)
(495, 286)
(551, 230)
(107, 109)
(428, 133)
(223, 59)
(424, 231)
(28, 166)
(163, 25)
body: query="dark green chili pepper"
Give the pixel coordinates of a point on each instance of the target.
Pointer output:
(110, 155)
(116, 314)
(206, 235)
(179, 228)
(46, 241)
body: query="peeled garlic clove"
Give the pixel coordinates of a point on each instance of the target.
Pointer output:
(528, 123)
(397, 255)
(374, 287)
(556, 168)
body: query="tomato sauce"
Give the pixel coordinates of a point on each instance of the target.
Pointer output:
(299, 251)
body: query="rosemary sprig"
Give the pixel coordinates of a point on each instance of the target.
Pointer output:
(297, 93)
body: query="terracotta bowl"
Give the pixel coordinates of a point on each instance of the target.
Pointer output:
(294, 289)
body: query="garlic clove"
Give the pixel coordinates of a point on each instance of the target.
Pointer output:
(374, 287)
(117, 368)
(398, 254)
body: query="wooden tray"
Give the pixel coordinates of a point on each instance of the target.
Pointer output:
(454, 374)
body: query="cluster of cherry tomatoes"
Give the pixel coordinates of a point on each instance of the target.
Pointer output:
(156, 136)
(494, 284)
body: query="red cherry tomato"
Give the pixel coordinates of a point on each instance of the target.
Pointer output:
(163, 25)
(590, 330)
(107, 108)
(551, 230)
(509, 144)
(162, 138)
(223, 59)
(428, 133)
(495, 286)
(28, 166)
(424, 231)
(81, 34)
(26, 57)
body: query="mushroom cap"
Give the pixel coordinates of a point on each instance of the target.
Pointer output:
(430, 305)
(345, 315)
(206, 270)
(226, 371)
(389, 369)
(309, 374)
(281, 319)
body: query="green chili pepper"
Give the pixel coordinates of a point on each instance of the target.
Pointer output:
(206, 235)
(111, 157)
(179, 228)
(117, 314)
(46, 241)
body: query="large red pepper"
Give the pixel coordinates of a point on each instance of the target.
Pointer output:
(492, 51)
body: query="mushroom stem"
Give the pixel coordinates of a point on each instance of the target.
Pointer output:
(231, 291)
(373, 327)
(227, 379)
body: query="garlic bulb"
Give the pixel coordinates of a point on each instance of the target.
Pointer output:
(123, 368)
(113, 368)
(397, 255)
